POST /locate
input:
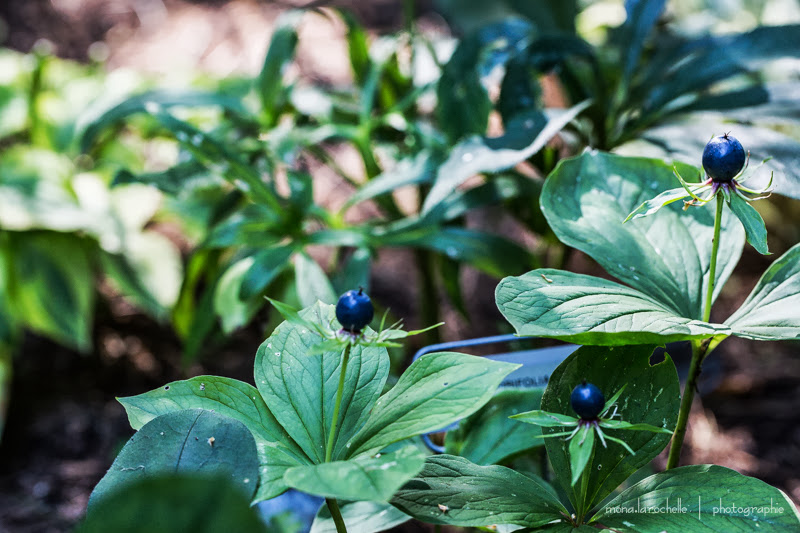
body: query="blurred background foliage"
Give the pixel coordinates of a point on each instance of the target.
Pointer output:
(408, 159)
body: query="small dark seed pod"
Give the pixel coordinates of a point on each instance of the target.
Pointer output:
(723, 158)
(354, 310)
(587, 400)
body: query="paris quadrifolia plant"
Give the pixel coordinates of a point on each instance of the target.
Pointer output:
(594, 414)
(317, 421)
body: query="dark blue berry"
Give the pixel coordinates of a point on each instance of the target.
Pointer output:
(723, 158)
(587, 401)
(354, 310)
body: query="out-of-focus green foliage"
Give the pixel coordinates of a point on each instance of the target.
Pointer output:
(61, 227)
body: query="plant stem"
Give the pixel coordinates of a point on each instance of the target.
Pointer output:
(698, 351)
(336, 514)
(334, 422)
(712, 272)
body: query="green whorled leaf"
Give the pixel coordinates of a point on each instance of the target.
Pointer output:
(581, 447)
(233, 399)
(702, 499)
(364, 478)
(312, 283)
(544, 419)
(300, 389)
(771, 311)
(666, 255)
(654, 204)
(490, 436)
(651, 396)
(409, 171)
(279, 54)
(193, 440)
(233, 311)
(360, 517)
(492, 254)
(267, 265)
(50, 285)
(524, 137)
(451, 490)
(435, 391)
(621, 424)
(177, 502)
(94, 121)
(589, 310)
(753, 224)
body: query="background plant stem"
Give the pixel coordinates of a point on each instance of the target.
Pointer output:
(336, 514)
(335, 420)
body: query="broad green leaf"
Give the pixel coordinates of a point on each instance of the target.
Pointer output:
(94, 121)
(581, 447)
(435, 391)
(280, 53)
(177, 502)
(233, 311)
(300, 389)
(700, 499)
(365, 478)
(312, 282)
(666, 255)
(452, 490)
(267, 265)
(193, 440)
(524, 137)
(772, 311)
(753, 224)
(651, 396)
(233, 399)
(589, 310)
(50, 286)
(489, 436)
(360, 517)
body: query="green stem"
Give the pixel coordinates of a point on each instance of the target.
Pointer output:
(334, 422)
(698, 351)
(712, 272)
(336, 514)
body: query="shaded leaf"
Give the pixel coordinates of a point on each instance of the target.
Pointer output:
(435, 391)
(452, 490)
(705, 498)
(772, 310)
(195, 441)
(589, 310)
(368, 478)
